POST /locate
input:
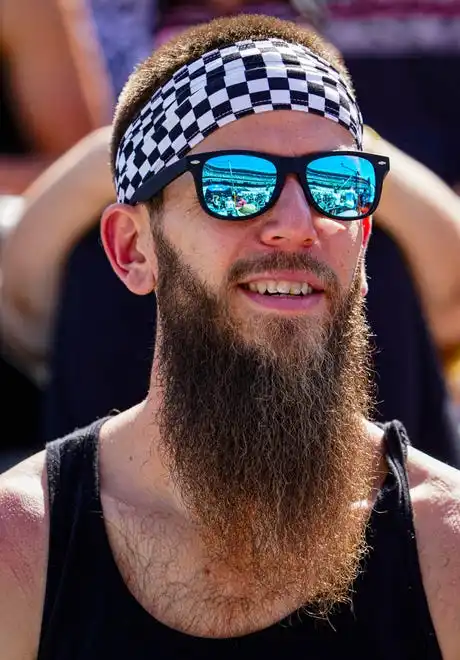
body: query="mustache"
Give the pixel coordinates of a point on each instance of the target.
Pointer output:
(285, 261)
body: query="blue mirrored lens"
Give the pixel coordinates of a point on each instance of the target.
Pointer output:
(238, 186)
(342, 186)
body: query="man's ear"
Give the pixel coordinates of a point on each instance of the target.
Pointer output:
(367, 230)
(127, 241)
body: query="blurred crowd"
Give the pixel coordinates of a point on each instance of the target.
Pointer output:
(76, 344)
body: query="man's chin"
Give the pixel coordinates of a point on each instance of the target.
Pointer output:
(278, 335)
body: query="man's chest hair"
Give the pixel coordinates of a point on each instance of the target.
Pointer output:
(164, 567)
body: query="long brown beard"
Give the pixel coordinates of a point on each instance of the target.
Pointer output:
(267, 446)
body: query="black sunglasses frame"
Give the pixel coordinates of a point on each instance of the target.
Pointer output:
(284, 165)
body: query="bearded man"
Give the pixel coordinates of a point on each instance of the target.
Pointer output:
(248, 506)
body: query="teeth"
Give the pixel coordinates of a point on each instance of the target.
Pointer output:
(282, 287)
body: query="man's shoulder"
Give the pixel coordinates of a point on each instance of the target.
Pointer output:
(23, 555)
(23, 497)
(432, 480)
(435, 497)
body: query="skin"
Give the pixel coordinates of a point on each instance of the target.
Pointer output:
(422, 214)
(212, 247)
(134, 488)
(65, 79)
(77, 186)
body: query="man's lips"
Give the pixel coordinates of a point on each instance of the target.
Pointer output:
(284, 291)
(290, 276)
(284, 303)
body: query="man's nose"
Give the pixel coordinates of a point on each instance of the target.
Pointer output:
(290, 223)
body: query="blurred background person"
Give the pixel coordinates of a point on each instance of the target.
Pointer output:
(54, 91)
(404, 58)
(453, 377)
(124, 29)
(414, 310)
(53, 86)
(177, 15)
(63, 63)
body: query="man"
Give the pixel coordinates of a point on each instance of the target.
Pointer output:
(247, 507)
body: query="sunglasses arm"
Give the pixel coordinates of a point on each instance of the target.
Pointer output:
(155, 183)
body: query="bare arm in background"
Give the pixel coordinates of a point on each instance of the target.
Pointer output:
(57, 83)
(422, 214)
(60, 207)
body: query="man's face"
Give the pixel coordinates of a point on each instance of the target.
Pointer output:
(289, 246)
(262, 398)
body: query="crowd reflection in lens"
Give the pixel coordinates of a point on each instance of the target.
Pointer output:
(242, 185)
(343, 186)
(238, 185)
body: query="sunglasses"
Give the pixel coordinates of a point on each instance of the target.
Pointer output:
(241, 185)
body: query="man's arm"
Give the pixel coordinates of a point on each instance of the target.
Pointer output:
(422, 214)
(60, 92)
(59, 208)
(435, 494)
(23, 550)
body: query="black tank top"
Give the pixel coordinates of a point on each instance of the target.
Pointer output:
(89, 613)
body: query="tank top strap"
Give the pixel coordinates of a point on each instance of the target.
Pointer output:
(396, 447)
(396, 444)
(73, 493)
(69, 459)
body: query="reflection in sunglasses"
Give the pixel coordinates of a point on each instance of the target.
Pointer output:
(243, 185)
(238, 185)
(342, 185)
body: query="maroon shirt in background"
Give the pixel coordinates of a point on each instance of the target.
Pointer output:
(394, 27)
(178, 16)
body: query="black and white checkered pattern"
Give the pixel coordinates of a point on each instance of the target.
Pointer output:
(223, 85)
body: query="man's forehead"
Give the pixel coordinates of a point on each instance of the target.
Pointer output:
(281, 132)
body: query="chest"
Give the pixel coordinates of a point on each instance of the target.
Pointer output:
(165, 569)
(154, 603)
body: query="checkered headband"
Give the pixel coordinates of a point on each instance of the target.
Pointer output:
(223, 85)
